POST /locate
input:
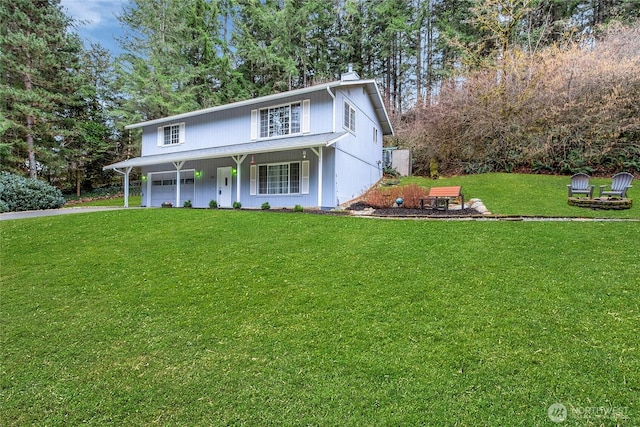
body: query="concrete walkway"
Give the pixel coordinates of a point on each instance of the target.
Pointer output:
(52, 212)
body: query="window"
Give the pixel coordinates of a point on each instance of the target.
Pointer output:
(282, 120)
(171, 134)
(283, 178)
(349, 117)
(183, 181)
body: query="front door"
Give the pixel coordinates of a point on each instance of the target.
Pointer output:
(224, 187)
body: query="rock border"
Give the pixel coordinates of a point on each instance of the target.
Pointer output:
(600, 203)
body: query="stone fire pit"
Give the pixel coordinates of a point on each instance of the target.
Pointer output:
(605, 203)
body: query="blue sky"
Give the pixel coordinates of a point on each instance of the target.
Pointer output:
(96, 21)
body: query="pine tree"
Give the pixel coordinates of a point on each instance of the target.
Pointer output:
(37, 65)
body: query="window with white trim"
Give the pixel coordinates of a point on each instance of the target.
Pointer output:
(349, 117)
(280, 178)
(171, 134)
(281, 120)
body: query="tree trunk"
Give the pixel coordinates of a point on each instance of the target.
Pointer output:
(33, 173)
(78, 186)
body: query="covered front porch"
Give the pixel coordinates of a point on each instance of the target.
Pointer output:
(243, 173)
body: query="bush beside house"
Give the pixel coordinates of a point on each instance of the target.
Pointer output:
(24, 194)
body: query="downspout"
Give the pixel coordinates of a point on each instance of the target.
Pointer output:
(319, 152)
(334, 108)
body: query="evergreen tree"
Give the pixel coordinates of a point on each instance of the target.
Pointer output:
(38, 62)
(176, 57)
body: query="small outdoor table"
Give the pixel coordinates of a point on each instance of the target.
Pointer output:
(439, 197)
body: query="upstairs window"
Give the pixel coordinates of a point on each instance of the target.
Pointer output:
(349, 117)
(282, 120)
(171, 135)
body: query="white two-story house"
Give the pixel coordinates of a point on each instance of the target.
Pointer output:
(315, 147)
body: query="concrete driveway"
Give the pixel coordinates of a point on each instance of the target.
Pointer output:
(52, 212)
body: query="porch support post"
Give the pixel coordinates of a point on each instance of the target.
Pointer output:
(318, 152)
(178, 166)
(125, 173)
(147, 192)
(238, 160)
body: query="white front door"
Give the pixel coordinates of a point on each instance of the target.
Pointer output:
(224, 187)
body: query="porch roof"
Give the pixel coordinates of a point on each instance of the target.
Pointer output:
(267, 146)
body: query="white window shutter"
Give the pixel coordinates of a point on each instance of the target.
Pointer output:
(306, 112)
(253, 180)
(305, 177)
(181, 134)
(160, 136)
(254, 124)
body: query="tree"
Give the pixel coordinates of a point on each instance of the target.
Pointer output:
(37, 64)
(89, 138)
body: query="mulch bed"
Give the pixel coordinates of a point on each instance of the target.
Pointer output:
(411, 212)
(389, 212)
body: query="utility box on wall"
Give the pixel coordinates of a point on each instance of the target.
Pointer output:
(400, 160)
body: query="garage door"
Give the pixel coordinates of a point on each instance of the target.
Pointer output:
(163, 188)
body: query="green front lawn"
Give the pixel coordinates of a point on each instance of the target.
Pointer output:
(210, 317)
(524, 194)
(503, 194)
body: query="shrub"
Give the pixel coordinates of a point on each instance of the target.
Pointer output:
(237, 205)
(380, 198)
(213, 204)
(265, 206)
(187, 204)
(298, 208)
(562, 109)
(23, 194)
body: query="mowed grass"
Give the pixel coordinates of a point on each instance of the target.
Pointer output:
(210, 317)
(503, 194)
(115, 201)
(530, 195)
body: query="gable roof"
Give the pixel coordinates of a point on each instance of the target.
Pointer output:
(370, 85)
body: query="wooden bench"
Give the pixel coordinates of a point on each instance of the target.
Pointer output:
(439, 197)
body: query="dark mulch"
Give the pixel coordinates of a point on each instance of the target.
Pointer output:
(402, 212)
(388, 212)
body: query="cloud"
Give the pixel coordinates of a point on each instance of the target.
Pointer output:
(96, 20)
(92, 14)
